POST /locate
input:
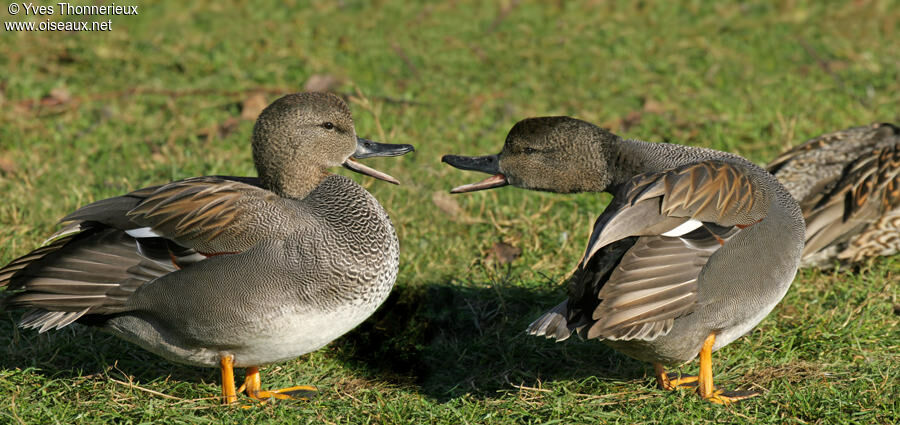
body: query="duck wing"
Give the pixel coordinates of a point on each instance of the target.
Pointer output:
(112, 247)
(848, 186)
(868, 189)
(208, 214)
(648, 248)
(92, 271)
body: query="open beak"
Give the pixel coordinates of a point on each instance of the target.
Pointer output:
(486, 164)
(366, 148)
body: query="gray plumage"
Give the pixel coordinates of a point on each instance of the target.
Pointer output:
(260, 269)
(848, 185)
(695, 243)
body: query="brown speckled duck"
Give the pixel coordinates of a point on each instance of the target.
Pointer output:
(228, 271)
(695, 249)
(848, 186)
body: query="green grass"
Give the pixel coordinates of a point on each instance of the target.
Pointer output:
(159, 97)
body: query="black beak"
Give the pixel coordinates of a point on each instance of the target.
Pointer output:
(366, 148)
(486, 164)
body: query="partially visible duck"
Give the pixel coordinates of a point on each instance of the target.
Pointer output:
(848, 185)
(228, 271)
(695, 249)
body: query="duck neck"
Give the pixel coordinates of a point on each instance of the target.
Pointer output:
(293, 182)
(629, 158)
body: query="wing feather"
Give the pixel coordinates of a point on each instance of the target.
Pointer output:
(869, 189)
(92, 271)
(211, 214)
(93, 265)
(654, 283)
(656, 280)
(846, 183)
(715, 191)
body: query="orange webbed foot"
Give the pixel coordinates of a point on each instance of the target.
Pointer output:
(673, 381)
(705, 386)
(727, 397)
(253, 388)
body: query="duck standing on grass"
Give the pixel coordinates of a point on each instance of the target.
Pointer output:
(695, 249)
(848, 186)
(228, 271)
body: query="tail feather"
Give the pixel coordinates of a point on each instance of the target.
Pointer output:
(44, 320)
(552, 324)
(93, 271)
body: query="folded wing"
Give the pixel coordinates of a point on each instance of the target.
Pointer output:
(674, 222)
(868, 190)
(112, 247)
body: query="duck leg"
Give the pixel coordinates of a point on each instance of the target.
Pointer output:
(705, 381)
(253, 387)
(673, 381)
(226, 365)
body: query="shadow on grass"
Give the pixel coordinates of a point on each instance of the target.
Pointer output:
(83, 351)
(445, 339)
(452, 340)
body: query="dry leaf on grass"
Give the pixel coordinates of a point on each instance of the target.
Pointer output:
(56, 97)
(446, 203)
(632, 119)
(220, 131)
(321, 82)
(252, 106)
(227, 127)
(504, 253)
(653, 107)
(7, 165)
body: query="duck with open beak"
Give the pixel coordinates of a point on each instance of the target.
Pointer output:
(696, 247)
(366, 148)
(486, 164)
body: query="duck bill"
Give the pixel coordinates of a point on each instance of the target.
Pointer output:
(486, 164)
(366, 148)
(497, 180)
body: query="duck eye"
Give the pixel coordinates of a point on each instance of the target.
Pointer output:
(328, 125)
(530, 150)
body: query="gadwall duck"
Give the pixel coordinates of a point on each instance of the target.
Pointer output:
(228, 271)
(695, 249)
(848, 186)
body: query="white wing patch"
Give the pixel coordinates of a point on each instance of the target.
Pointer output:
(684, 228)
(143, 232)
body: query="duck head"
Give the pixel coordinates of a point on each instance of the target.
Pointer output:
(300, 136)
(555, 154)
